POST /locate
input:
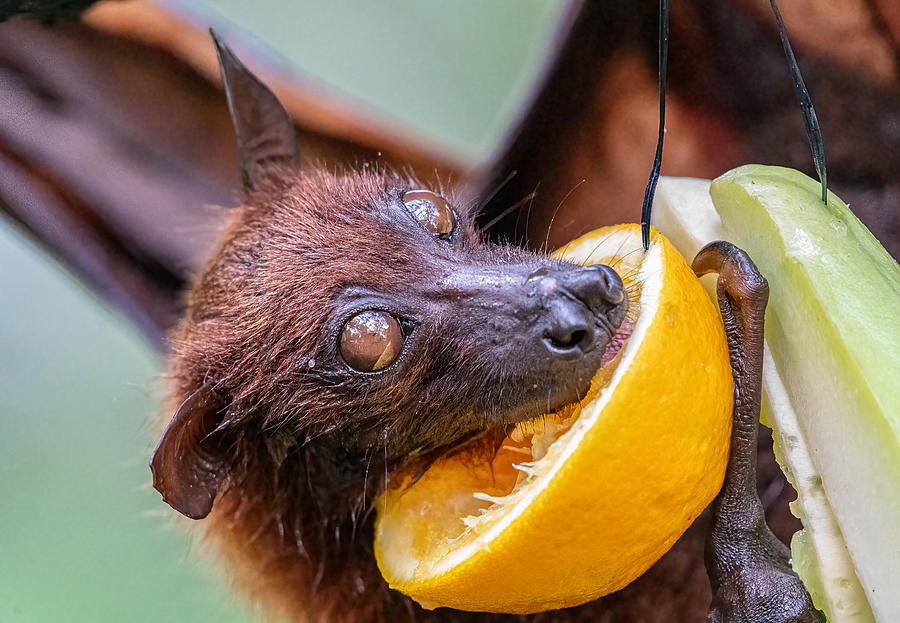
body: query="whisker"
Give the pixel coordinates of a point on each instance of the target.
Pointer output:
(556, 211)
(384, 443)
(366, 479)
(528, 214)
(518, 204)
(494, 192)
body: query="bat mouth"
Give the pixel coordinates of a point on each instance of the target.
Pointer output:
(517, 344)
(569, 380)
(618, 340)
(591, 378)
(561, 374)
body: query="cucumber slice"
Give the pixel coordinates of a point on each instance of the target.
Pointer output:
(833, 326)
(685, 213)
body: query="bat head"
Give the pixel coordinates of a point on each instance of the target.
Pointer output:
(363, 312)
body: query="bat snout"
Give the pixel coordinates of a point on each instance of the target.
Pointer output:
(583, 307)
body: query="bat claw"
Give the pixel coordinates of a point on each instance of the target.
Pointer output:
(738, 275)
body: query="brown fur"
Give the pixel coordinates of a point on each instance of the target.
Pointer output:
(279, 518)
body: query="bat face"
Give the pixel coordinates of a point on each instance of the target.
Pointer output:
(365, 314)
(334, 307)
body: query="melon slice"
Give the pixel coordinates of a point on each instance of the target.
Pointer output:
(832, 348)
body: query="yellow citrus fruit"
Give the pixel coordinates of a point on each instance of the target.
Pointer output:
(578, 504)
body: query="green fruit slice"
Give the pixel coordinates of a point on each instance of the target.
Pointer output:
(833, 325)
(835, 298)
(684, 212)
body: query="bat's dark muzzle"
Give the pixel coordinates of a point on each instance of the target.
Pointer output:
(522, 338)
(542, 319)
(583, 308)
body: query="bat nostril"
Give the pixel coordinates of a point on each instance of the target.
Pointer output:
(569, 340)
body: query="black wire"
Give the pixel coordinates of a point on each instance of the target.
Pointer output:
(813, 132)
(663, 53)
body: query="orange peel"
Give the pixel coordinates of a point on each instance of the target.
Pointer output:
(580, 503)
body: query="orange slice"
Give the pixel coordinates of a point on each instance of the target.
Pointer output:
(580, 503)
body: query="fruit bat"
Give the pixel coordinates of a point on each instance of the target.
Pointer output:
(551, 149)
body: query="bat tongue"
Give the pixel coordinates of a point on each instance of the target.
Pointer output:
(618, 341)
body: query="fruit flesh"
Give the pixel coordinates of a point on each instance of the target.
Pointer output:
(819, 554)
(587, 523)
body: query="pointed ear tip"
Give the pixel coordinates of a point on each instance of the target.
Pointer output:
(217, 40)
(222, 50)
(192, 507)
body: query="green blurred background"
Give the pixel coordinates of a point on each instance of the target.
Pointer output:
(83, 536)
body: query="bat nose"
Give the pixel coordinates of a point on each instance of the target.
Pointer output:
(579, 301)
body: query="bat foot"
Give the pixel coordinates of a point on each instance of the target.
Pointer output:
(763, 593)
(749, 568)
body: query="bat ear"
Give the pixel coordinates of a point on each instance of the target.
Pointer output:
(190, 462)
(265, 132)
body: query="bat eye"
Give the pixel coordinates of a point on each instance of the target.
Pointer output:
(431, 211)
(371, 341)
